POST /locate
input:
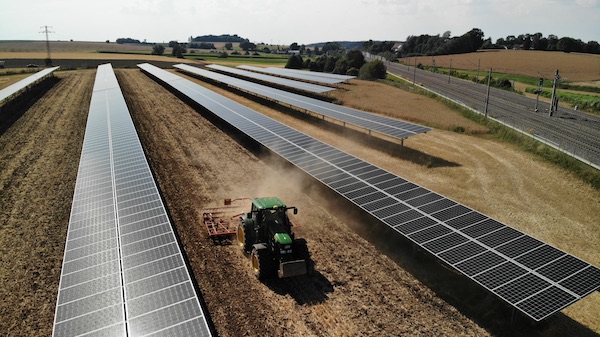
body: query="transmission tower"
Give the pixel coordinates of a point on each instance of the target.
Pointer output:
(49, 59)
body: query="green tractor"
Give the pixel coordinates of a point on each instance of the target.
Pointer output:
(266, 234)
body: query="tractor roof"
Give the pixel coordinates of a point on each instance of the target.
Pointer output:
(268, 203)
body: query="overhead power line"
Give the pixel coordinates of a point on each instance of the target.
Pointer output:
(49, 58)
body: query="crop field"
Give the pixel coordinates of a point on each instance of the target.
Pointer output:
(573, 67)
(361, 287)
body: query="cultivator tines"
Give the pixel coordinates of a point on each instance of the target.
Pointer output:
(221, 222)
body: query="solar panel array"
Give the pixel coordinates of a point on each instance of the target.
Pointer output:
(304, 75)
(532, 276)
(372, 122)
(316, 73)
(24, 83)
(272, 79)
(123, 273)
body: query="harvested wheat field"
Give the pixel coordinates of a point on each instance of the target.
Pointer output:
(574, 67)
(360, 288)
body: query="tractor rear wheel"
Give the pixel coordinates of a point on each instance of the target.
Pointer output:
(263, 263)
(244, 237)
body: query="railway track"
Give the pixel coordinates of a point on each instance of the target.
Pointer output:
(573, 132)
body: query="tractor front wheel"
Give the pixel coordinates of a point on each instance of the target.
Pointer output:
(263, 263)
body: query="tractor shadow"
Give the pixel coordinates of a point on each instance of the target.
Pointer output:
(310, 289)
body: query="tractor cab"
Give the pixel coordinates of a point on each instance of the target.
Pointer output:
(270, 218)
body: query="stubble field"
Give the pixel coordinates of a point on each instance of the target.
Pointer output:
(574, 67)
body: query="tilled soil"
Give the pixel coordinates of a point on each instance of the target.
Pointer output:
(356, 289)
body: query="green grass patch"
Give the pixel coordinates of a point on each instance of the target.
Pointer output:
(529, 80)
(503, 133)
(583, 88)
(252, 59)
(583, 102)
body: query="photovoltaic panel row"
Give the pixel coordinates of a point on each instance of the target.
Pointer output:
(123, 273)
(272, 79)
(24, 83)
(532, 276)
(304, 75)
(317, 73)
(372, 122)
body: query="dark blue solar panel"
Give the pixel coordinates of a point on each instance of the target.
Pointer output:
(481, 248)
(384, 125)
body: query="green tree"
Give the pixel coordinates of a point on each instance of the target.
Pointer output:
(331, 48)
(247, 45)
(355, 59)
(294, 62)
(341, 67)
(228, 46)
(372, 70)
(329, 65)
(569, 44)
(178, 50)
(158, 49)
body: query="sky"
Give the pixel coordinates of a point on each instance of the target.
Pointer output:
(302, 21)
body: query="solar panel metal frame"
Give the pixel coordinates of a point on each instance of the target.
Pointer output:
(534, 292)
(387, 126)
(317, 73)
(304, 75)
(123, 271)
(309, 87)
(14, 88)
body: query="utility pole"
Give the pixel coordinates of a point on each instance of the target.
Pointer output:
(487, 98)
(415, 71)
(49, 59)
(477, 78)
(539, 91)
(449, 71)
(554, 100)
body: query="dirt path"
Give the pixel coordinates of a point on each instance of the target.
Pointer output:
(38, 166)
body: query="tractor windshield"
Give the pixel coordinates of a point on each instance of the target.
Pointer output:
(276, 219)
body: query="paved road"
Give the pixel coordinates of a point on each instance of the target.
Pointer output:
(572, 131)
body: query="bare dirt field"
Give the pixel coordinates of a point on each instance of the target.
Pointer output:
(357, 289)
(574, 67)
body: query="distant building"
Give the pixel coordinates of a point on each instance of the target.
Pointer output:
(293, 52)
(397, 46)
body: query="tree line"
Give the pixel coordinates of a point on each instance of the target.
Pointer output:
(344, 62)
(473, 40)
(537, 41)
(122, 40)
(219, 38)
(442, 45)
